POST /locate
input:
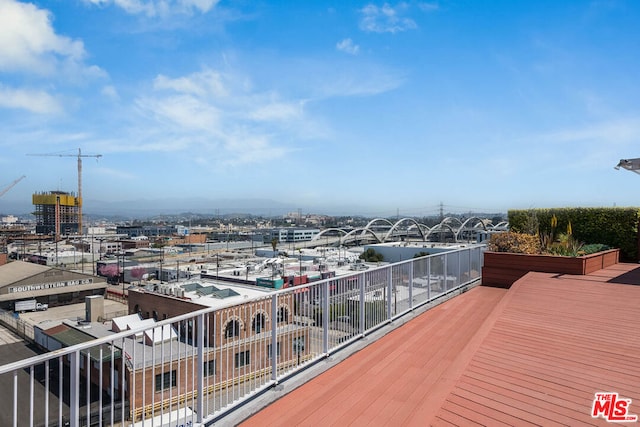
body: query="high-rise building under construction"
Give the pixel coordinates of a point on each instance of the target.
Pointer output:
(56, 212)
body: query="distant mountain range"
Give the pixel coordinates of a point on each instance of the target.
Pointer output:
(144, 208)
(148, 207)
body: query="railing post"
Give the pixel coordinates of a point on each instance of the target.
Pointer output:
(200, 370)
(411, 284)
(15, 398)
(361, 309)
(459, 268)
(429, 278)
(46, 387)
(470, 264)
(31, 379)
(74, 388)
(123, 389)
(274, 337)
(445, 270)
(325, 317)
(389, 291)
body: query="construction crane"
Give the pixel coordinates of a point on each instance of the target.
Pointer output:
(79, 156)
(10, 186)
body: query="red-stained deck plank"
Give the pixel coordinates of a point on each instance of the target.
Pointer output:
(387, 379)
(558, 335)
(534, 354)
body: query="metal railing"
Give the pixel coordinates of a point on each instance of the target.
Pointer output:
(191, 369)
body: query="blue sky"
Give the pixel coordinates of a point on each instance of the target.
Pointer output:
(376, 107)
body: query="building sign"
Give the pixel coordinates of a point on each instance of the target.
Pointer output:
(52, 285)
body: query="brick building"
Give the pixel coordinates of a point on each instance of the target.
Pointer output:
(237, 340)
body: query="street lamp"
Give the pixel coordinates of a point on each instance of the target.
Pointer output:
(632, 165)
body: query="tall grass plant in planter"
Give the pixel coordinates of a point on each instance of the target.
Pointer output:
(511, 255)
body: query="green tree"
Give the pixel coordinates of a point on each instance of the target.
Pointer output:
(371, 255)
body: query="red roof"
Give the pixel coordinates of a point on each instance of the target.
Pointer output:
(534, 354)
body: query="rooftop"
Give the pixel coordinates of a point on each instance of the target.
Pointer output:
(534, 354)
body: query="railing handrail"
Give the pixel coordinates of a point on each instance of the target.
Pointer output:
(9, 367)
(397, 283)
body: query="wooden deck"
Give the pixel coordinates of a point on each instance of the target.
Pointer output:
(531, 355)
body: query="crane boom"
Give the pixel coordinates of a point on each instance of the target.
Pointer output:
(79, 156)
(10, 186)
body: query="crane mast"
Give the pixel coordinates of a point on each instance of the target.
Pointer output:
(10, 186)
(79, 199)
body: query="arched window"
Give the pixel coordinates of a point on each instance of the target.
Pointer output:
(283, 315)
(232, 329)
(258, 323)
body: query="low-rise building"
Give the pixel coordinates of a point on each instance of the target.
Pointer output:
(21, 280)
(290, 235)
(238, 333)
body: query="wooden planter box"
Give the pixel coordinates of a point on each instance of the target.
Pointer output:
(501, 269)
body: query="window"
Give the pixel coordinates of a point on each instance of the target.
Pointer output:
(242, 359)
(165, 380)
(283, 315)
(258, 323)
(270, 349)
(232, 329)
(209, 368)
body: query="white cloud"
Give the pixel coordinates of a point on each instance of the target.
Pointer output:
(205, 83)
(619, 131)
(161, 8)
(219, 117)
(28, 42)
(114, 173)
(110, 92)
(30, 100)
(348, 46)
(428, 7)
(277, 111)
(186, 112)
(386, 19)
(367, 82)
(247, 148)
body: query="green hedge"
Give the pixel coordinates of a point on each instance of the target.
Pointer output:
(615, 227)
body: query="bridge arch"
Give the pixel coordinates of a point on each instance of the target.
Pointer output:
(417, 224)
(439, 227)
(373, 221)
(501, 225)
(451, 219)
(327, 230)
(362, 231)
(468, 220)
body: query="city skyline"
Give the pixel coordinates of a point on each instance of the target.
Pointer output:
(375, 106)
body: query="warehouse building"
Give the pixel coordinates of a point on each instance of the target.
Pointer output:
(21, 281)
